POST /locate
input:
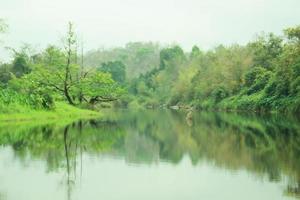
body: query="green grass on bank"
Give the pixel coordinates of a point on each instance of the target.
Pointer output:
(254, 103)
(62, 112)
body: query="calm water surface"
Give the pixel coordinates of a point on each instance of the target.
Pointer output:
(151, 155)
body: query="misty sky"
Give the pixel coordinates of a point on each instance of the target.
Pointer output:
(110, 23)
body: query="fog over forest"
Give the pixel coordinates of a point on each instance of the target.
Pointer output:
(116, 22)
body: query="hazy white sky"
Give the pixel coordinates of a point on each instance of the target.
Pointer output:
(110, 23)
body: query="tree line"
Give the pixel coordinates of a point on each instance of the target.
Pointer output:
(261, 75)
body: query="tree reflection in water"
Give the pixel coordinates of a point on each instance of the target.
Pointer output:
(263, 145)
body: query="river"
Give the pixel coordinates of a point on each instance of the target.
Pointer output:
(152, 154)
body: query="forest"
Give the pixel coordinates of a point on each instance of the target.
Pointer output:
(262, 75)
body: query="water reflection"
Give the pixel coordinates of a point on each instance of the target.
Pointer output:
(262, 145)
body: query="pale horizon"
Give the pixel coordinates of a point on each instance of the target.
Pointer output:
(108, 24)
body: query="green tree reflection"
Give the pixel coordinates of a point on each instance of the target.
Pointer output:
(267, 146)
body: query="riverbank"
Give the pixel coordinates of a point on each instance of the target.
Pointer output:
(253, 103)
(237, 103)
(62, 111)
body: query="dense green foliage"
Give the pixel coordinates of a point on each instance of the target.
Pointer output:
(36, 81)
(262, 75)
(117, 70)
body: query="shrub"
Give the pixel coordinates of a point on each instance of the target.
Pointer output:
(295, 86)
(252, 74)
(260, 82)
(219, 93)
(35, 101)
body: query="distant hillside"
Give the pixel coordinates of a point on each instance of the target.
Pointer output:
(138, 57)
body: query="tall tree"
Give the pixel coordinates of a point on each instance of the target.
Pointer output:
(195, 52)
(69, 48)
(57, 69)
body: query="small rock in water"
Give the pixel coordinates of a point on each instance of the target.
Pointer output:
(174, 107)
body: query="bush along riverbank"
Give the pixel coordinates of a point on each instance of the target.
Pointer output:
(263, 75)
(260, 76)
(53, 84)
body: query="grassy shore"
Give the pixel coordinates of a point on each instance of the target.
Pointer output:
(62, 111)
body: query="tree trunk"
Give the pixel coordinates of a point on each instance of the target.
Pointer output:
(67, 72)
(67, 95)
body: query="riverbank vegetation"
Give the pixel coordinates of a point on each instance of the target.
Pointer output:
(61, 112)
(46, 84)
(262, 75)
